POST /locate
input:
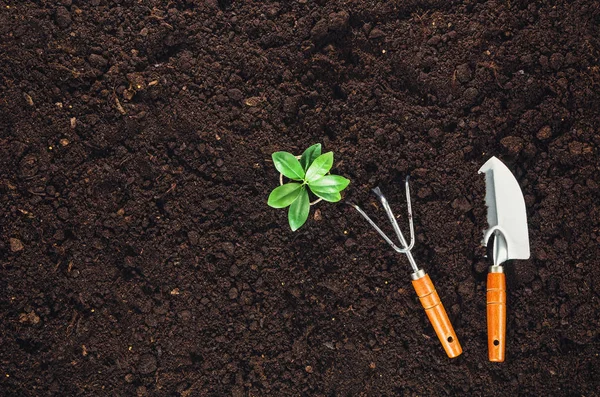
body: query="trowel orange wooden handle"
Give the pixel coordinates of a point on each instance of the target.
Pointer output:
(437, 315)
(496, 316)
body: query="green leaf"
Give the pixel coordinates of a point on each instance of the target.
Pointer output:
(319, 167)
(288, 165)
(298, 212)
(284, 195)
(333, 197)
(310, 155)
(329, 184)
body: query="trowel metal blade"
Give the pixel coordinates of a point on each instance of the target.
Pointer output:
(507, 217)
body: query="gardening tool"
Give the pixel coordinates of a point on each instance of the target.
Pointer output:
(508, 226)
(426, 292)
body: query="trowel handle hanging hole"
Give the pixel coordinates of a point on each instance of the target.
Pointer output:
(450, 339)
(496, 342)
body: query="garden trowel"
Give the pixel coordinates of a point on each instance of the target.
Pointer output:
(507, 220)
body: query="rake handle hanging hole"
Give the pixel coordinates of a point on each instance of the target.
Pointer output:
(496, 316)
(437, 315)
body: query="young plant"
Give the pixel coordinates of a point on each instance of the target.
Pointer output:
(310, 174)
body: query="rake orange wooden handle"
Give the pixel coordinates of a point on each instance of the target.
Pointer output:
(496, 316)
(437, 315)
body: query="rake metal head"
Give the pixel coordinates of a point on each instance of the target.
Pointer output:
(405, 247)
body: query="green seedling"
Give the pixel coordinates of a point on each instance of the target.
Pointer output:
(309, 174)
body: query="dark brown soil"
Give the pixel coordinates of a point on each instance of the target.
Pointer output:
(138, 255)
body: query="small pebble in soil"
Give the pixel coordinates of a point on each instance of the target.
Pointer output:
(253, 101)
(319, 31)
(147, 364)
(579, 148)
(16, 245)
(30, 318)
(376, 33)
(59, 235)
(470, 94)
(235, 95)
(309, 369)
(290, 105)
(97, 61)
(63, 213)
(563, 83)
(435, 40)
(514, 144)
(29, 99)
(544, 133)
(233, 293)
(463, 73)
(193, 237)
(317, 215)
(62, 17)
(228, 248)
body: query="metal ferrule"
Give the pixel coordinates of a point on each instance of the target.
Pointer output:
(418, 274)
(496, 269)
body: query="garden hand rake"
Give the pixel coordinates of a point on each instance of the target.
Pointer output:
(421, 282)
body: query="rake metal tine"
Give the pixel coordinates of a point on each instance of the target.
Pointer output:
(410, 216)
(381, 233)
(390, 215)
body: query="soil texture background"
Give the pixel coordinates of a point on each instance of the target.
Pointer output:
(138, 255)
